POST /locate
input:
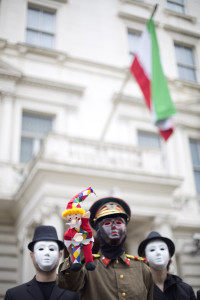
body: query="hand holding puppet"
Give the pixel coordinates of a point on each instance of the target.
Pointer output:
(79, 235)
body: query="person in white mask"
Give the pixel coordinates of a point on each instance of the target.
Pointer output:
(45, 252)
(158, 251)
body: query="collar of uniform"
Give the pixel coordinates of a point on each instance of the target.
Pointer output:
(105, 261)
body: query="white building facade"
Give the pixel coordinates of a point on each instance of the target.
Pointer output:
(67, 123)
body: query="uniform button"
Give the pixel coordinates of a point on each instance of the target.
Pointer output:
(121, 276)
(117, 261)
(124, 294)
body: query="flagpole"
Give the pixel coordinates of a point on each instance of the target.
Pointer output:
(119, 93)
(154, 10)
(115, 105)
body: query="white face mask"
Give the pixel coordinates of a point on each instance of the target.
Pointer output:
(46, 254)
(157, 254)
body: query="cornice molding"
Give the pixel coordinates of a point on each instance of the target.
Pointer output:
(61, 1)
(137, 3)
(180, 15)
(7, 70)
(181, 84)
(61, 57)
(66, 87)
(183, 31)
(128, 16)
(124, 98)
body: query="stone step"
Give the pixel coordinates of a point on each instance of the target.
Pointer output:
(7, 238)
(8, 276)
(8, 262)
(9, 250)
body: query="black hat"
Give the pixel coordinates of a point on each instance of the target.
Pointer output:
(156, 236)
(45, 233)
(104, 207)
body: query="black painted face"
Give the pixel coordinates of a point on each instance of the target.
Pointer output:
(113, 230)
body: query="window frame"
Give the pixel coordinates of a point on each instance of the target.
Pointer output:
(138, 35)
(195, 168)
(175, 3)
(152, 134)
(41, 10)
(36, 137)
(185, 65)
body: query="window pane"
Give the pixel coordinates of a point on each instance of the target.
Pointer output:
(36, 124)
(33, 18)
(33, 37)
(185, 62)
(48, 22)
(195, 153)
(184, 55)
(176, 8)
(47, 40)
(148, 139)
(179, 50)
(197, 181)
(179, 1)
(26, 150)
(176, 5)
(133, 39)
(40, 28)
(186, 73)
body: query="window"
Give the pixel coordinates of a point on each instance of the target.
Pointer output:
(195, 153)
(34, 129)
(185, 63)
(149, 139)
(133, 39)
(176, 5)
(40, 27)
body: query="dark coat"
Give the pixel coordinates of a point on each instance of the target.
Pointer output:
(174, 289)
(31, 291)
(198, 295)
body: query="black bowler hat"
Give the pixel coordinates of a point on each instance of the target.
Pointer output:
(109, 206)
(155, 236)
(45, 233)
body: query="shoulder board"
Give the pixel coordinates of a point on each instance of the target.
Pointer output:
(96, 255)
(135, 257)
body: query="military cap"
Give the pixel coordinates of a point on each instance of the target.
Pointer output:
(109, 206)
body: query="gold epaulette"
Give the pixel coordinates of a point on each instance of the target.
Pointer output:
(135, 257)
(96, 255)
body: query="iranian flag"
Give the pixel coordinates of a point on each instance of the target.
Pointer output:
(147, 69)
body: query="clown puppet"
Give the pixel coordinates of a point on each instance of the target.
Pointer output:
(79, 235)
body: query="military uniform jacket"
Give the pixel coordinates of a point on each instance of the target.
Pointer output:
(31, 291)
(124, 278)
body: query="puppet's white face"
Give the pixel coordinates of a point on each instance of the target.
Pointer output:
(157, 254)
(46, 254)
(74, 219)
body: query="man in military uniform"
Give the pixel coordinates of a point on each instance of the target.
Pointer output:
(117, 275)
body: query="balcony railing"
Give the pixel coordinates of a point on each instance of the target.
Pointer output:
(83, 153)
(77, 151)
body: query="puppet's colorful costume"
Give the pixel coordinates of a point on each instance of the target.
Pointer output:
(82, 226)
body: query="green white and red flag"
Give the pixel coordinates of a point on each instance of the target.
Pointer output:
(148, 72)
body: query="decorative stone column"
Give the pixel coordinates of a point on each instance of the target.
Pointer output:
(51, 215)
(6, 126)
(26, 270)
